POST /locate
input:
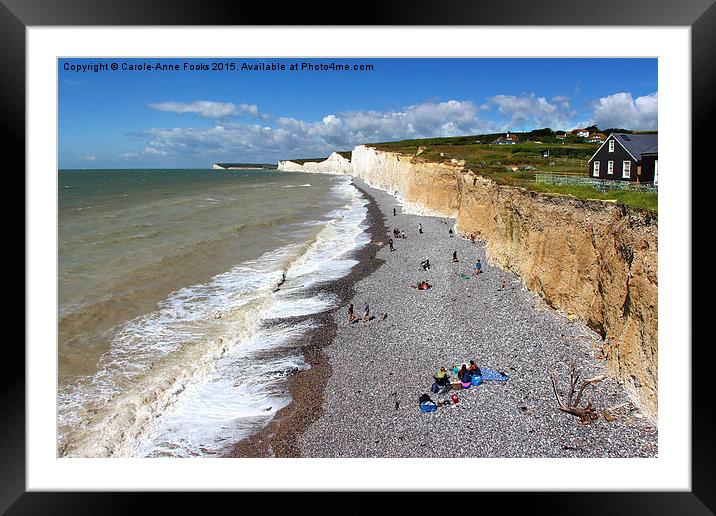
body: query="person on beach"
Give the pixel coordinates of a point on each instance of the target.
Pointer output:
(402, 234)
(472, 237)
(441, 377)
(478, 267)
(464, 374)
(425, 264)
(474, 369)
(351, 314)
(420, 228)
(283, 280)
(393, 212)
(450, 233)
(366, 312)
(424, 285)
(390, 243)
(454, 257)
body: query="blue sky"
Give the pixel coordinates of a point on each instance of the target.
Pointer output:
(128, 119)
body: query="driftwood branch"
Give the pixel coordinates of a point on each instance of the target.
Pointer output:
(554, 388)
(586, 414)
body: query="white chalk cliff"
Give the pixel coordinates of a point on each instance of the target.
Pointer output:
(335, 164)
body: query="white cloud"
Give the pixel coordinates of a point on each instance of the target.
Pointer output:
(209, 109)
(290, 137)
(153, 151)
(562, 100)
(621, 110)
(150, 152)
(89, 157)
(528, 112)
(231, 139)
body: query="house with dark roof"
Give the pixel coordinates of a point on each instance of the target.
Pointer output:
(627, 157)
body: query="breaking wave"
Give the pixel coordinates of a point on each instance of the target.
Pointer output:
(208, 366)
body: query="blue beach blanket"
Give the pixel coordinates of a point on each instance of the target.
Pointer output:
(493, 375)
(428, 406)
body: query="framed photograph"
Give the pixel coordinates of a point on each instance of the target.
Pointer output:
(267, 251)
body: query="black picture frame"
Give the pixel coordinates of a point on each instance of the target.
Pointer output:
(17, 15)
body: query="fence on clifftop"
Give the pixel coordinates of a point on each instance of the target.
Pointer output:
(561, 160)
(599, 184)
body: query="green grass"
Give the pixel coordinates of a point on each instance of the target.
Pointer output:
(506, 154)
(525, 179)
(644, 200)
(495, 162)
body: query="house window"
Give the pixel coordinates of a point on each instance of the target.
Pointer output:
(610, 167)
(626, 170)
(611, 145)
(595, 169)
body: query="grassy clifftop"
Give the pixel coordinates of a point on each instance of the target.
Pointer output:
(518, 164)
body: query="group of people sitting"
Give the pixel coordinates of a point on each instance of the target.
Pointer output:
(464, 373)
(398, 234)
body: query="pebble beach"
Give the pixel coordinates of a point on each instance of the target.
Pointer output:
(366, 378)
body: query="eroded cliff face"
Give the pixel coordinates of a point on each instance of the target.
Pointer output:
(589, 259)
(422, 187)
(334, 164)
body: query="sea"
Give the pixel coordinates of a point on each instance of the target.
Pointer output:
(173, 291)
